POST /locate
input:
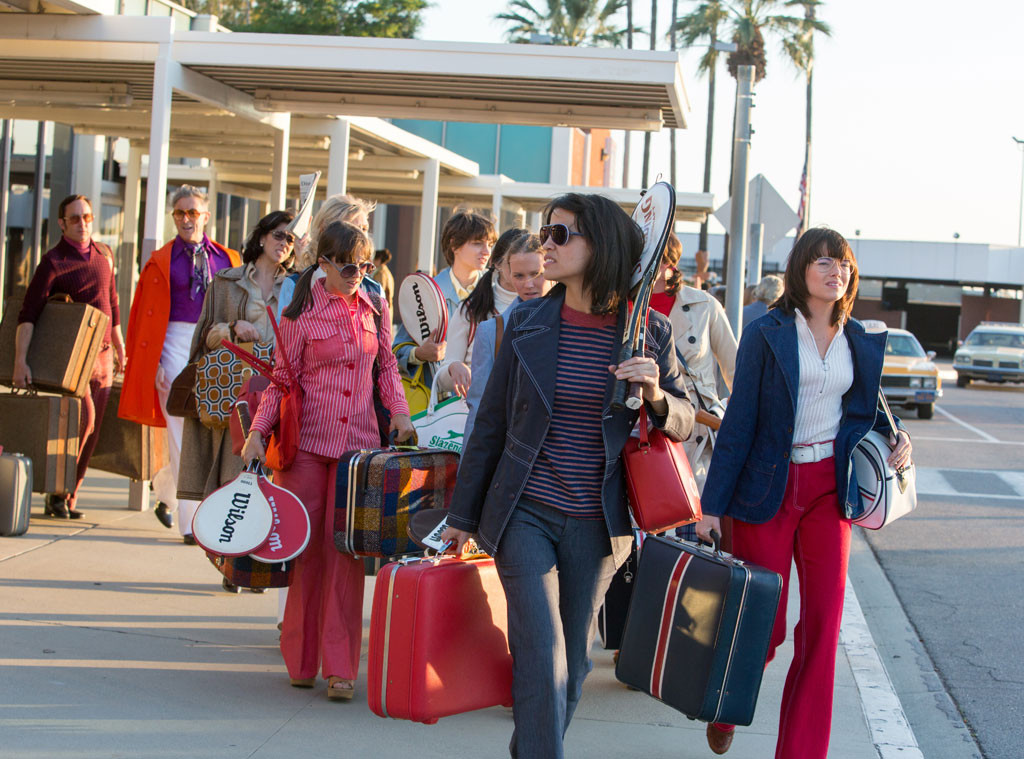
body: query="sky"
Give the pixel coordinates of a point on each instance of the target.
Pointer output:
(915, 107)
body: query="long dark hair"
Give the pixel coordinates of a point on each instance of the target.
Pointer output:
(616, 243)
(253, 250)
(479, 306)
(812, 245)
(340, 242)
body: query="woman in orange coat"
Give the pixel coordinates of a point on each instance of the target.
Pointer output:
(167, 304)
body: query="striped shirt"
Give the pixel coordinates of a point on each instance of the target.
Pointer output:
(823, 383)
(332, 351)
(569, 469)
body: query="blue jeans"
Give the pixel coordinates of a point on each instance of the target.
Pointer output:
(555, 570)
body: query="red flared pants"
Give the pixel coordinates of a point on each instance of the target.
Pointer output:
(323, 619)
(810, 529)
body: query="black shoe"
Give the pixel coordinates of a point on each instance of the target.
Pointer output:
(257, 590)
(164, 515)
(56, 507)
(189, 540)
(229, 587)
(75, 514)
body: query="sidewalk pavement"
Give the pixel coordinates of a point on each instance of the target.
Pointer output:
(118, 641)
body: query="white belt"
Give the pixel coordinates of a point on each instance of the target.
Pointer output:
(808, 454)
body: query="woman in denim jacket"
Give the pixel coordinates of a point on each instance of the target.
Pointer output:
(541, 481)
(804, 394)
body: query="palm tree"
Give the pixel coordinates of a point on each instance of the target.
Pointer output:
(702, 25)
(799, 48)
(569, 22)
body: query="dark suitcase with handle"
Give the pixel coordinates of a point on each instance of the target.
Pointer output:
(611, 619)
(44, 428)
(124, 447)
(698, 630)
(15, 493)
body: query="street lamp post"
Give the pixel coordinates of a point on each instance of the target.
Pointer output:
(1020, 216)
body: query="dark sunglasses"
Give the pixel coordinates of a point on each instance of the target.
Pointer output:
(282, 236)
(351, 270)
(560, 234)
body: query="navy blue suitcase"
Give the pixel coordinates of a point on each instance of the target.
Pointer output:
(698, 630)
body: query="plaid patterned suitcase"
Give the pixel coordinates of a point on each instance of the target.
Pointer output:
(378, 491)
(246, 572)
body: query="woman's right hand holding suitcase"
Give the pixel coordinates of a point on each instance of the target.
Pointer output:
(457, 538)
(706, 525)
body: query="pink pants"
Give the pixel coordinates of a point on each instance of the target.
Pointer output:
(323, 619)
(808, 527)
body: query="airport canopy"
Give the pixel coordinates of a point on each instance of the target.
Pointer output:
(268, 107)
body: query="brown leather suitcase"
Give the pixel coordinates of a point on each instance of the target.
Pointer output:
(65, 342)
(44, 428)
(127, 448)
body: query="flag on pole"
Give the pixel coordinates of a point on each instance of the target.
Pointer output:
(801, 211)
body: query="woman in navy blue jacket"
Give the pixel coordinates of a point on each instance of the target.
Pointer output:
(541, 483)
(805, 392)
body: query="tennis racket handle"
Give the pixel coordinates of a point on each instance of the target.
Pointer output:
(708, 419)
(244, 417)
(635, 396)
(619, 395)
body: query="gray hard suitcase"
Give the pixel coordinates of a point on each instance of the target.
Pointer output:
(15, 493)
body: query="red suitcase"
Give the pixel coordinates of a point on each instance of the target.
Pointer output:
(438, 643)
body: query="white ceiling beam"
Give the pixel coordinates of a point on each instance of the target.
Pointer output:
(90, 38)
(210, 91)
(460, 109)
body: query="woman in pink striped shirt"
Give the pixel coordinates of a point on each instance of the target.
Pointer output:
(332, 333)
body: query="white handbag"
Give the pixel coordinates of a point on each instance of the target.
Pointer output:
(443, 424)
(887, 493)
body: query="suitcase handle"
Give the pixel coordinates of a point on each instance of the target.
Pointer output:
(715, 543)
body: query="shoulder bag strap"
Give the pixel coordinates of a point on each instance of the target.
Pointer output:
(499, 329)
(888, 413)
(696, 388)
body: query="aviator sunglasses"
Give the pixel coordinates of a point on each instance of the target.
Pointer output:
(282, 236)
(351, 270)
(192, 214)
(560, 234)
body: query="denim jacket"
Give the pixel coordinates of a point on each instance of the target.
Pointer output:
(750, 465)
(515, 413)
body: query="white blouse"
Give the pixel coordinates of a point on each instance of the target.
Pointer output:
(823, 383)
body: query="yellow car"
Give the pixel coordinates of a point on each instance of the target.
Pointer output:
(909, 378)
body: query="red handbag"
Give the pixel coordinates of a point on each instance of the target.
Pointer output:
(284, 440)
(662, 491)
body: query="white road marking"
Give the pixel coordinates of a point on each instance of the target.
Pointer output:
(980, 433)
(930, 481)
(939, 439)
(890, 731)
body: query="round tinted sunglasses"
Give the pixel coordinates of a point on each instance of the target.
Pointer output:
(350, 270)
(282, 236)
(560, 234)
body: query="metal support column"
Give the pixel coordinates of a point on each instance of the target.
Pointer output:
(127, 264)
(38, 212)
(428, 216)
(6, 137)
(756, 254)
(279, 183)
(738, 216)
(497, 201)
(337, 157)
(159, 140)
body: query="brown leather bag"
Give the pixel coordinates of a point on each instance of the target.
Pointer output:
(44, 428)
(66, 340)
(181, 400)
(127, 448)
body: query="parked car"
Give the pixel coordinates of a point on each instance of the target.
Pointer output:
(994, 351)
(909, 378)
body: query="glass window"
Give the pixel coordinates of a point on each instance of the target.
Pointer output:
(996, 339)
(903, 345)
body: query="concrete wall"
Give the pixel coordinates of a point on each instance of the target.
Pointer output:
(986, 308)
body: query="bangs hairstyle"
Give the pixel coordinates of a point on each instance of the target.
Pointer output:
(479, 306)
(812, 245)
(673, 252)
(253, 250)
(340, 242)
(615, 241)
(465, 226)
